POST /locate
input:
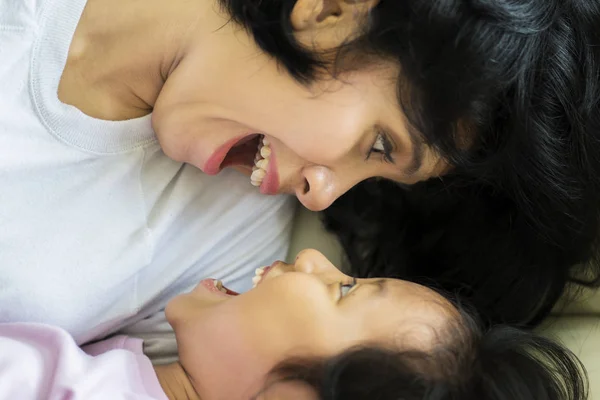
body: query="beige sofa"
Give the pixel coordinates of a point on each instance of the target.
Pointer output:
(577, 325)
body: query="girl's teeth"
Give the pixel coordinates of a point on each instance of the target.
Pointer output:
(258, 274)
(266, 141)
(219, 285)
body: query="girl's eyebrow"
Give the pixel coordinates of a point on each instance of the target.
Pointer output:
(382, 286)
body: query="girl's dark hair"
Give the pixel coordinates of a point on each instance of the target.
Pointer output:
(507, 92)
(500, 363)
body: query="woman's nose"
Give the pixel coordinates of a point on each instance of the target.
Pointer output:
(319, 189)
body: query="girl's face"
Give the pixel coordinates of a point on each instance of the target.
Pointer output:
(228, 343)
(226, 94)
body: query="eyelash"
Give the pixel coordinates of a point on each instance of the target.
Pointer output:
(386, 152)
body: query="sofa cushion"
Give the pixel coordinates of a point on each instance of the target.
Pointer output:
(581, 334)
(580, 301)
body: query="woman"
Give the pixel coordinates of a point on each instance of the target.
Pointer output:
(312, 96)
(306, 331)
(98, 226)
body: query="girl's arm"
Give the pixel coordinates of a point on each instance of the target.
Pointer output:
(43, 362)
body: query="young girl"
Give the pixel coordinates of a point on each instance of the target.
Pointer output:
(305, 331)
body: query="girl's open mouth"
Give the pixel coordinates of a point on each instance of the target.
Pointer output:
(216, 286)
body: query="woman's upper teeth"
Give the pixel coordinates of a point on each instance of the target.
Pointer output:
(261, 162)
(265, 152)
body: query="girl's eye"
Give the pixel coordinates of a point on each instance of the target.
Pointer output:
(345, 289)
(383, 146)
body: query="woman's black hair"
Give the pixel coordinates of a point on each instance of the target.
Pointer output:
(469, 239)
(507, 93)
(500, 363)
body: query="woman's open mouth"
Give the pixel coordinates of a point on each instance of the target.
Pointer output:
(237, 151)
(242, 153)
(252, 152)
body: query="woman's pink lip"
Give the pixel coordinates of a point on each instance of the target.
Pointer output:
(213, 164)
(270, 183)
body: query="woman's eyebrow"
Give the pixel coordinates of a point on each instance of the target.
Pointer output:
(416, 144)
(417, 151)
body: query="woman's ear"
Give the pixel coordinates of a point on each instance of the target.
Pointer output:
(315, 14)
(320, 15)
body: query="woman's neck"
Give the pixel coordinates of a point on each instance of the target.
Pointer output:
(123, 51)
(175, 382)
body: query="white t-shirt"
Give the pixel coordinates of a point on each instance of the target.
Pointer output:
(98, 228)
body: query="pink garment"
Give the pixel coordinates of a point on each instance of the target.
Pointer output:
(43, 362)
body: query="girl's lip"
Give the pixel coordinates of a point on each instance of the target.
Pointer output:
(270, 183)
(210, 285)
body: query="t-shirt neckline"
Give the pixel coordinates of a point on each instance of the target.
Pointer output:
(59, 20)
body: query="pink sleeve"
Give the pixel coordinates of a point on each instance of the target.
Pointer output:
(43, 362)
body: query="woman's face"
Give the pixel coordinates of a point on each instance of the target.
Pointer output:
(228, 343)
(324, 138)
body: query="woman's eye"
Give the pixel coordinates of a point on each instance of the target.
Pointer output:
(379, 145)
(382, 146)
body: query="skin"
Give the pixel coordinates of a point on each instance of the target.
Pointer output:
(206, 82)
(296, 310)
